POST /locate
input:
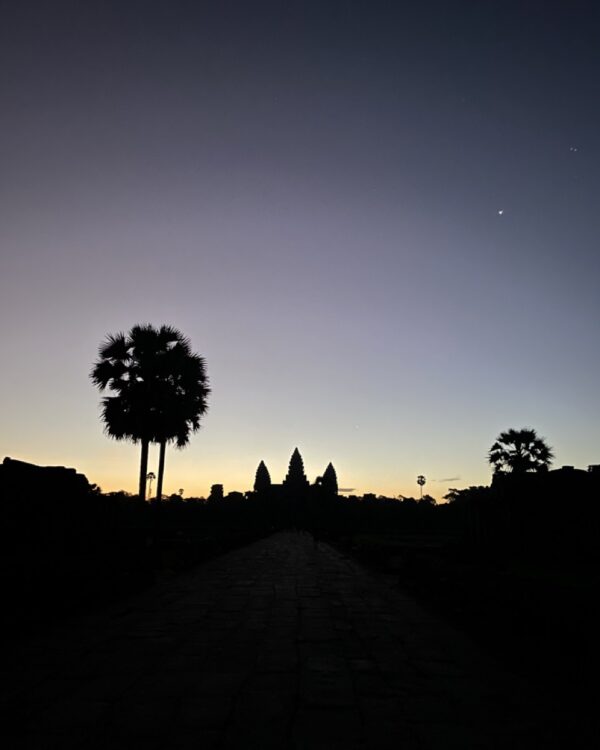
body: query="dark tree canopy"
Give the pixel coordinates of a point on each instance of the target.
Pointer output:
(160, 389)
(184, 391)
(519, 452)
(216, 492)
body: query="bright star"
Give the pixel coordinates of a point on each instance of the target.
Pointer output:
(500, 211)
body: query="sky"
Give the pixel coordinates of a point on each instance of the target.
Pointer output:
(377, 221)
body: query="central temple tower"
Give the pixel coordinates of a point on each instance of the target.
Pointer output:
(296, 480)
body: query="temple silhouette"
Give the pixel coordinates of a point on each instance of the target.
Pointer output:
(295, 482)
(295, 500)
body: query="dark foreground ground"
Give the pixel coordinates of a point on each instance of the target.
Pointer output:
(282, 644)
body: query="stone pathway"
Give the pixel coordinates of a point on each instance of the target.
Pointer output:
(282, 644)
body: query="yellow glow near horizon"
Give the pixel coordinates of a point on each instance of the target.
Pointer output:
(117, 470)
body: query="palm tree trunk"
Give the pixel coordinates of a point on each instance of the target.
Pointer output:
(161, 470)
(143, 469)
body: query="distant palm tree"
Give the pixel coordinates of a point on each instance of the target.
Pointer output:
(151, 372)
(150, 476)
(519, 452)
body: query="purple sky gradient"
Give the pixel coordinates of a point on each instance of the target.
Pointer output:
(312, 196)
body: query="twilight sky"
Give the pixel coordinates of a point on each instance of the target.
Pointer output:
(377, 221)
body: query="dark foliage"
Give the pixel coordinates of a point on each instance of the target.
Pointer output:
(519, 452)
(160, 390)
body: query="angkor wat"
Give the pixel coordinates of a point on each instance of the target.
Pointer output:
(295, 501)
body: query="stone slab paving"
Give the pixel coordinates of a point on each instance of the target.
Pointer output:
(282, 644)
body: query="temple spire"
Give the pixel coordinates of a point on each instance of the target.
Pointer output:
(262, 482)
(296, 478)
(329, 481)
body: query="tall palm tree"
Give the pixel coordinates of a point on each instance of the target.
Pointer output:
(141, 369)
(184, 399)
(124, 368)
(520, 451)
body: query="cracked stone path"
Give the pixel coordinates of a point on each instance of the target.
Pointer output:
(282, 644)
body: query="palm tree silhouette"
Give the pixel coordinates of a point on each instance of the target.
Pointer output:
(184, 397)
(520, 451)
(151, 372)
